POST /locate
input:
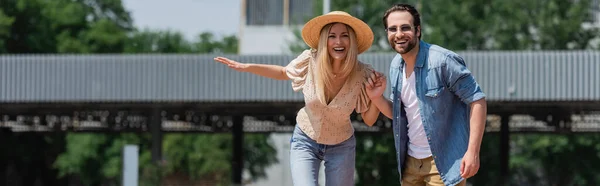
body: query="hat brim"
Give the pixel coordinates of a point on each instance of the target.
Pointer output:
(312, 30)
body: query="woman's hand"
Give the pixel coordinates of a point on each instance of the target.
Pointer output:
(233, 64)
(375, 85)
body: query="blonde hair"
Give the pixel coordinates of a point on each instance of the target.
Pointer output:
(324, 70)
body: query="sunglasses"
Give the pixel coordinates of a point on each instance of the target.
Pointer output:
(403, 28)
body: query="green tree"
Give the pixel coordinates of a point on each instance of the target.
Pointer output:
(151, 41)
(148, 41)
(498, 25)
(376, 163)
(208, 157)
(208, 44)
(96, 159)
(5, 25)
(80, 26)
(544, 159)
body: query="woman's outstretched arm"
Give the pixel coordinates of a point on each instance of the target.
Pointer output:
(270, 71)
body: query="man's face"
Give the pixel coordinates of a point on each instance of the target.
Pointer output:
(402, 34)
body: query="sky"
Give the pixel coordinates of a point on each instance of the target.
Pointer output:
(190, 17)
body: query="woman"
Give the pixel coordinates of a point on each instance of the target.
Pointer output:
(331, 79)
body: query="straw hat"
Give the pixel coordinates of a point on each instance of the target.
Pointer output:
(312, 29)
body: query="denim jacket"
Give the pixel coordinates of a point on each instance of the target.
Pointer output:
(445, 89)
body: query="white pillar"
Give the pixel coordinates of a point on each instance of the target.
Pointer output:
(130, 165)
(326, 8)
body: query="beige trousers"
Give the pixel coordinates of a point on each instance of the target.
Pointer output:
(422, 172)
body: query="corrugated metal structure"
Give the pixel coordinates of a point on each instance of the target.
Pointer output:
(537, 76)
(504, 76)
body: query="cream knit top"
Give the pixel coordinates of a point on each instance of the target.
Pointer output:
(327, 124)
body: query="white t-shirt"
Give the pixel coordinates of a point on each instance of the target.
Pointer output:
(418, 147)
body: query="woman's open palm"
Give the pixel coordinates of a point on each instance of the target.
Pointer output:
(233, 64)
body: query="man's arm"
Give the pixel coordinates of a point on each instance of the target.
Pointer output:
(470, 163)
(384, 106)
(478, 119)
(462, 83)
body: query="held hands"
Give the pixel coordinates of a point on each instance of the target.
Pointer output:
(233, 64)
(375, 85)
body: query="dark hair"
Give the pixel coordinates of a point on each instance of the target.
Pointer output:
(403, 7)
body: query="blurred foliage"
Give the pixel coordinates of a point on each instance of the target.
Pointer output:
(5, 25)
(210, 155)
(483, 25)
(376, 163)
(66, 26)
(498, 25)
(555, 159)
(96, 158)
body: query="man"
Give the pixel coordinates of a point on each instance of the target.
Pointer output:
(437, 107)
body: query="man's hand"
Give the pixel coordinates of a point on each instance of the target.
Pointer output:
(469, 165)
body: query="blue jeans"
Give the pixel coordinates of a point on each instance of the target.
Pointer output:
(306, 156)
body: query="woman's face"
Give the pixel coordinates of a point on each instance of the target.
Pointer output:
(338, 41)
